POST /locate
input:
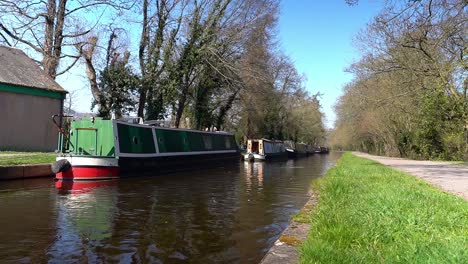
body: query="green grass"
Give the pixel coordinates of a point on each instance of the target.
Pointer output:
(20, 158)
(11, 152)
(369, 213)
(460, 162)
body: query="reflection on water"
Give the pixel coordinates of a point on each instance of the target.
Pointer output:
(223, 215)
(84, 219)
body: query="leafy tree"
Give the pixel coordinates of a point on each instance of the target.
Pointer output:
(118, 85)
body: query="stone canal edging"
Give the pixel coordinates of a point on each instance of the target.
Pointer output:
(285, 249)
(25, 171)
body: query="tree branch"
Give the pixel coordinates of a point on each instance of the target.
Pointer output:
(20, 39)
(77, 58)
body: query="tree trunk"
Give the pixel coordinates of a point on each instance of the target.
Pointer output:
(90, 70)
(141, 55)
(225, 108)
(54, 23)
(181, 106)
(49, 36)
(58, 38)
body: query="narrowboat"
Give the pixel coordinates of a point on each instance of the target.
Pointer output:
(295, 150)
(98, 149)
(321, 150)
(310, 150)
(264, 149)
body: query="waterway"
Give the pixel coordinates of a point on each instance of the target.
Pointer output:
(230, 214)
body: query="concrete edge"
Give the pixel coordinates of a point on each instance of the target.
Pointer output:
(285, 250)
(25, 171)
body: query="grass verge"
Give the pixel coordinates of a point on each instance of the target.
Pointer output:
(22, 158)
(461, 163)
(369, 213)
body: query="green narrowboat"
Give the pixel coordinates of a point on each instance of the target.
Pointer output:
(107, 149)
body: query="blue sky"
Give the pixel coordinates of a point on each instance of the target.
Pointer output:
(318, 36)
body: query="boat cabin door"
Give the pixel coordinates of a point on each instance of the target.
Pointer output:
(252, 146)
(86, 141)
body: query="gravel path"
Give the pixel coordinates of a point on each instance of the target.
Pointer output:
(448, 176)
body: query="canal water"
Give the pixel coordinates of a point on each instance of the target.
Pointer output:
(230, 214)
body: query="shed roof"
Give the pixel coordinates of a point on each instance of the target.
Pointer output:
(18, 69)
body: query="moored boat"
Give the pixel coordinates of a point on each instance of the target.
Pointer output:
(294, 149)
(321, 150)
(99, 149)
(310, 150)
(324, 150)
(264, 149)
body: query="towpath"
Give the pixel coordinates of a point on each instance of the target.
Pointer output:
(448, 176)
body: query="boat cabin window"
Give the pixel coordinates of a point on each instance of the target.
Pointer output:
(227, 142)
(207, 141)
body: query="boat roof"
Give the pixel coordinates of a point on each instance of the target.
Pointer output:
(265, 139)
(173, 128)
(19, 69)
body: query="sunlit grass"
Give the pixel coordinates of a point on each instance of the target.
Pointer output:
(11, 152)
(20, 158)
(460, 162)
(369, 213)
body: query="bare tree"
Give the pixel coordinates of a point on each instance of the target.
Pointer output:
(87, 51)
(69, 103)
(408, 97)
(101, 61)
(51, 28)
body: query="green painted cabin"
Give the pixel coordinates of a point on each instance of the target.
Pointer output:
(113, 138)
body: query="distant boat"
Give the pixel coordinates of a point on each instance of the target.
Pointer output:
(310, 149)
(324, 150)
(264, 149)
(295, 150)
(98, 149)
(321, 150)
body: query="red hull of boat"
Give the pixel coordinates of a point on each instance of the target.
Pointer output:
(89, 173)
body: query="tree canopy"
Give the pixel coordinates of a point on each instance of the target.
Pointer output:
(408, 97)
(197, 63)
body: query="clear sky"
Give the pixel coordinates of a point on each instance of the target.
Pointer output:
(316, 34)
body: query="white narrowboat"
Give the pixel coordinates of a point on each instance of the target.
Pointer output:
(264, 149)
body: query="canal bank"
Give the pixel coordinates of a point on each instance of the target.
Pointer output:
(24, 165)
(285, 249)
(25, 171)
(369, 213)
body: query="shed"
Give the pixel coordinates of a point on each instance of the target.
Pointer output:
(28, 99)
